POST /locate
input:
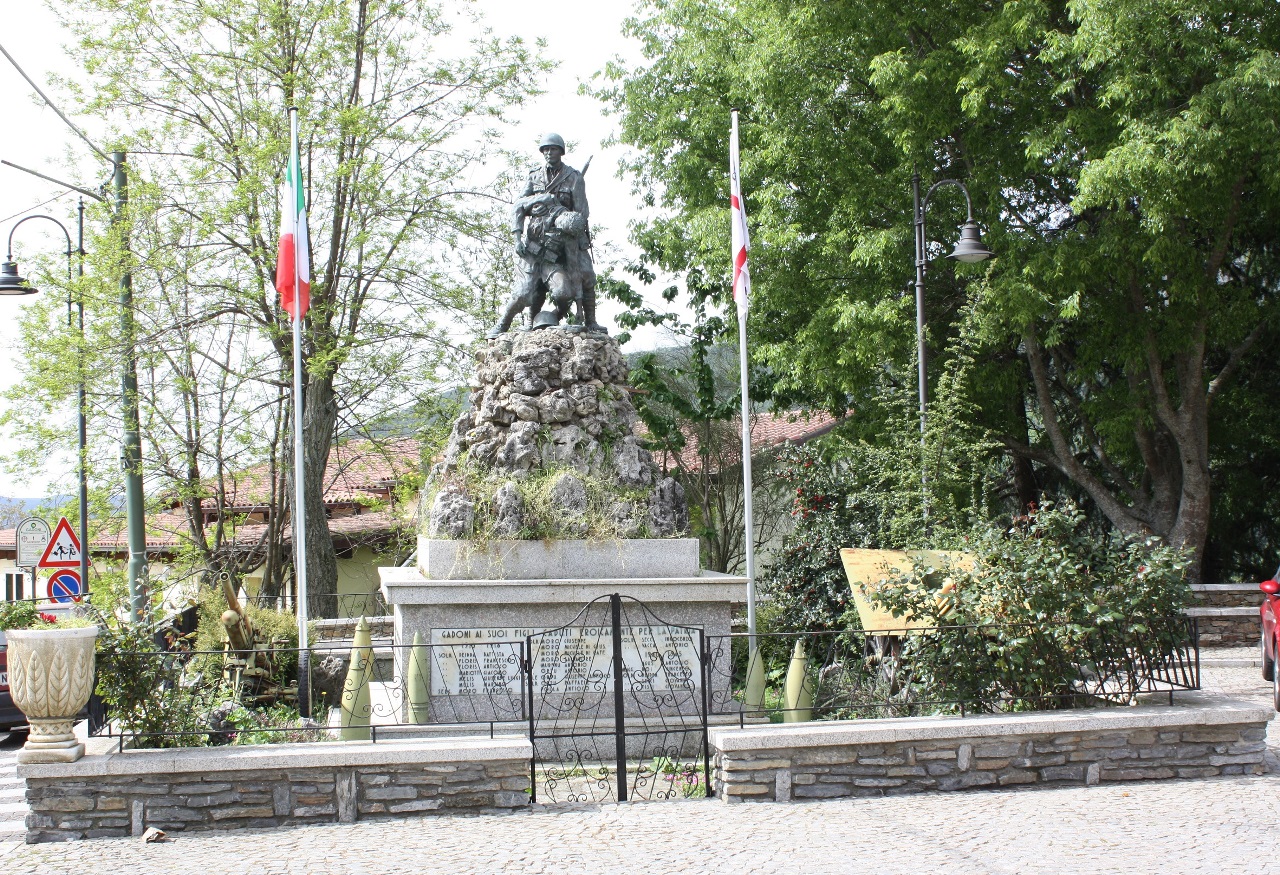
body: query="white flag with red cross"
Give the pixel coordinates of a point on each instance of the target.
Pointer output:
(741, 240)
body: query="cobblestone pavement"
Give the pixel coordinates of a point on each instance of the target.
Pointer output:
(13, 808)
(1216, 825)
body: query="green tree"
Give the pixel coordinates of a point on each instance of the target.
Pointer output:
(399, 102)
(1122, 152)
(690, 402)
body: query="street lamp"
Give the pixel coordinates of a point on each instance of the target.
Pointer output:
(10, 282)
(13, 284)
(969, 249)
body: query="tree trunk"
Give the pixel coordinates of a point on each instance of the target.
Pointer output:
(1172, 498)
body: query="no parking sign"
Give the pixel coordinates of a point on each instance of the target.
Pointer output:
(65, 586)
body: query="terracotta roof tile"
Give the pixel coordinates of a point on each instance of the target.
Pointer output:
(767, 430)
(168, 531)
(355, 469)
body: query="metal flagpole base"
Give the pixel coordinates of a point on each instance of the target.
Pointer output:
(304, 683)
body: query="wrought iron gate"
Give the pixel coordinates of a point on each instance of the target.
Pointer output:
(617, 707)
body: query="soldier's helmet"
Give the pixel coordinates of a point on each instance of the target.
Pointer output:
(552, 140)
(571, 222)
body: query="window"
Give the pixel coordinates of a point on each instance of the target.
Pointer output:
(14, 584)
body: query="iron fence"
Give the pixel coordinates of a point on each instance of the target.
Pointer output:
(384, 690)
(461, 686)
(851, 674)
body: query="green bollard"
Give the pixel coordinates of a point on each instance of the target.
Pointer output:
(416, 688)
(356, 710)
(798, 692)
(753, 697)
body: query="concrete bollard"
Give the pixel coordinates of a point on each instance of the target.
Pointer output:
(416, 687)
(798, 691)
(357, 713)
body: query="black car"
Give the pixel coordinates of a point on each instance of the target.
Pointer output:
(10, 716)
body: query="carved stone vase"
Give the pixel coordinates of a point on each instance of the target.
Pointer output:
(50, 677)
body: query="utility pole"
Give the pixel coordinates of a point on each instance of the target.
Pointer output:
(131, 452)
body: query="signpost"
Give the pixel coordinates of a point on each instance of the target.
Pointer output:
(33, 540)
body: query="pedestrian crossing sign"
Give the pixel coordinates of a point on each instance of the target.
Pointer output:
(64, 548)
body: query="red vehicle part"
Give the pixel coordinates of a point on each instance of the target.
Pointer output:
(1270, 643)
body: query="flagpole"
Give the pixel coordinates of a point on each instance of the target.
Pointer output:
(299, 520)
(741, 297)
(748, 520)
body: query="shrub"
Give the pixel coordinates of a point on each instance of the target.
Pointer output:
(18, 615)
(146, 689)
(233, 723)
(1050, 600)
(846, 495)
(174, 698)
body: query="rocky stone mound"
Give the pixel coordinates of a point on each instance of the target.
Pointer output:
(548, 447)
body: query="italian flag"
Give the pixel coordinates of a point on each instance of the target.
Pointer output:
(293, 259)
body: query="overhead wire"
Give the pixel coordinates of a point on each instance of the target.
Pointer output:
(36, 207)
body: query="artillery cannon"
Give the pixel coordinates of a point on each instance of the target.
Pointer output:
(250, 660)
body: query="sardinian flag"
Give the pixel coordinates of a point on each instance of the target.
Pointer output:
(293, 259)
(741, 240)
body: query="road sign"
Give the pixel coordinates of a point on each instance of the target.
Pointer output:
(33, 539)
(63, 550)
(65, 586)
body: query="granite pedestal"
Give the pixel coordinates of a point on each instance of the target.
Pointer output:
(476, 605)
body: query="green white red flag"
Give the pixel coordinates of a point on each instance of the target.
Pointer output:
(293, 258)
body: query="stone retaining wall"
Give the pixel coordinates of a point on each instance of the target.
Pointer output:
(1227, 613)
(1226, 595)
(878, 757)
(272, 785)
(1227, 627)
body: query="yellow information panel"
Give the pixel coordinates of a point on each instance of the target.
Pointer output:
(867, 569)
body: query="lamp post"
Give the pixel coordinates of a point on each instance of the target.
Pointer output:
(13, 284)
(969, 249)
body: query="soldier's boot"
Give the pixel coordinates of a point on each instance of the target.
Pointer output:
(503, 325)
(589, 311)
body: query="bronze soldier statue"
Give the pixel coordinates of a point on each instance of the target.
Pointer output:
(553, 240)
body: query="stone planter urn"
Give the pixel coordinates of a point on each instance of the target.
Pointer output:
(50, 679)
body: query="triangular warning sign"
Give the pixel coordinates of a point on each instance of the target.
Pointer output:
(64, 548)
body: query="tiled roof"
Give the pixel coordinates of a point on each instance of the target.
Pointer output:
(167, 531)
(355, 470)
(767, 430)
(164, 531)
(344, 527)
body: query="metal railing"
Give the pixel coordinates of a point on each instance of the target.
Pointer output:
(223, 697)
(211, 697)
(851, 674)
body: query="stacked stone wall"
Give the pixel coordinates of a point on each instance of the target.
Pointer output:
(215, 792)
(1227, 614)
(841, 760)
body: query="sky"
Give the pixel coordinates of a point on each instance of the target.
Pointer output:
(582, 35)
